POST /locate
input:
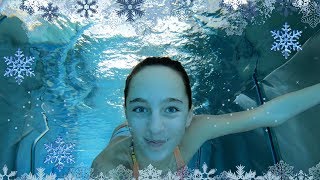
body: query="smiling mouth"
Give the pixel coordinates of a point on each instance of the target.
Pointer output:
(156, 143)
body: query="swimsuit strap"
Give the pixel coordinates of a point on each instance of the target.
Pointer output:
(179, 160)
(135, 163)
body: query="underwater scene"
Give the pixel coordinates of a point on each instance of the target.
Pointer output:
(254, 72)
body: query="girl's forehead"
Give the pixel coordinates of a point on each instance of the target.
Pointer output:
(157, 75)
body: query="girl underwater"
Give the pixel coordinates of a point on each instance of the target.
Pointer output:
(163, 130)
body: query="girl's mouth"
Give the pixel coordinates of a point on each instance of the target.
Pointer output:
(156, 143)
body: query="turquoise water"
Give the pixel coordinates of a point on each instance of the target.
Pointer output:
(81, 65)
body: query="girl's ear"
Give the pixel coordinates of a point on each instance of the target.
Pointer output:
(190, 116)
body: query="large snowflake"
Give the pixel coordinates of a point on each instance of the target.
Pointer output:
(59, 153)
(311, 14)
(315, 171)
(87, 7)
(130, 7)
(282, 169)
(5, 173)
(19, 66)
(49, 12)
(286, 40)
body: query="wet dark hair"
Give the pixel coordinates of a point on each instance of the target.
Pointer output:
(163, 61)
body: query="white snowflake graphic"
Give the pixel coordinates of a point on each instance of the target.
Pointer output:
(101, 176)
(301, 176)
(235, 4)
(70, 176)
(5, 173)
(149, 173)
(282, 169)
(120, 173)
(286, 40)
(19, 66)
(301, 4)
(130, 7)
(198, 175)
(315, 171)
(59, 153)
(39, 176)
(311, 14)
(268, 176)
(279, 171)
(241, 174)
(87, 7)
(50, 12)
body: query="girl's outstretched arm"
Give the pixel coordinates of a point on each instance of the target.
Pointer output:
(270, 114)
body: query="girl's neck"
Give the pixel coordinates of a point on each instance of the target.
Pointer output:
(164, 165)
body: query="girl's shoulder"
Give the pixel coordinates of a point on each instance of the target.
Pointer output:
(117, 152)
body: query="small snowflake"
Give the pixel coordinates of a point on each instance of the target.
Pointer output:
(101, 176)
(171, 176)
(128, 7)
(285, 7)
(311, 14)
(87, 7)
(19, 66)
(70, 176)
(268, 176)
(205, 175)
(59, 153)
(49, 12)
(301, 176)
(301, 4)
(241, 174)
(5, 173)
(39, 176)
(286, 40)
(315, 171)
(150, 173)
(120, 173)
(282, 169)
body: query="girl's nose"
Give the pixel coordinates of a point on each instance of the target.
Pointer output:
(156, 124)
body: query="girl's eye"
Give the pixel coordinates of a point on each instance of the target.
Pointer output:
(140, 109)
(174, 109)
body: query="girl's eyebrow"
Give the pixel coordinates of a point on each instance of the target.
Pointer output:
(166, 100)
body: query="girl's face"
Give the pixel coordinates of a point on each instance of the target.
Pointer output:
(157, 109)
